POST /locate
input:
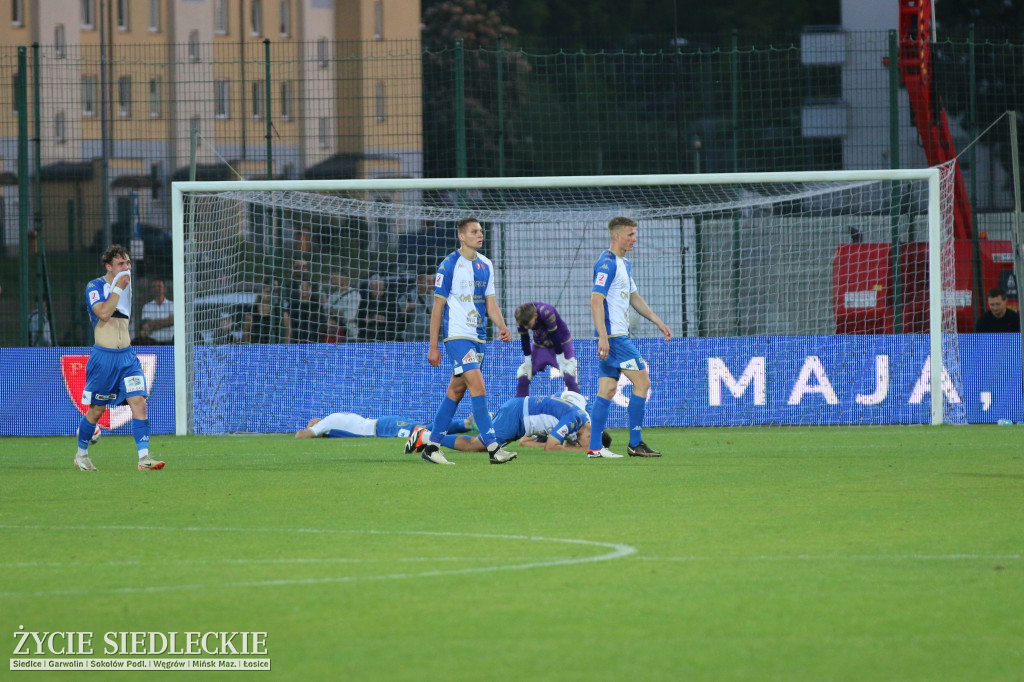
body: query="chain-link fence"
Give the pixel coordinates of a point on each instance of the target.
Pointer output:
(91, 139)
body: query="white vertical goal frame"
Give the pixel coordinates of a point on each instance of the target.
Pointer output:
(181, 191)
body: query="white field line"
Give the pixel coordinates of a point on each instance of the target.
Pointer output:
(840, 557)
(618, 551)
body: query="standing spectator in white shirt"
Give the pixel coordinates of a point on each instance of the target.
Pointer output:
(158, 315)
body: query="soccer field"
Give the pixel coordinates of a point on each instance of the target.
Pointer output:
(742, 554)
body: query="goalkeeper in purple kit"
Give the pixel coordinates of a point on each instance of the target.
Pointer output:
(552, 346)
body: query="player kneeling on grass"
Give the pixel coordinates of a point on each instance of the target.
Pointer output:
(351, 425)
(562, 419)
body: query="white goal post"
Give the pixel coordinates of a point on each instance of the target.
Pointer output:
(751, 238)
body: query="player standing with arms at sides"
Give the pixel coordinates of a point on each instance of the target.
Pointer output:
(552, 344)
(113, 373)
(463, 300)
(613, 293)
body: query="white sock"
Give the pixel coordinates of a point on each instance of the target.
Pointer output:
(143, 453)
(82, 453)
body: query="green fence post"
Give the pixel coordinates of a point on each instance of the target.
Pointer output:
(270, 124)
(75, 315)
(460, 109)
(21, 100)
(501, 109)
(895, 199)
(972, 124)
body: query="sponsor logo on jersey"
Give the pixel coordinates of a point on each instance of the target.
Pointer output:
(629, 364)
(439, 280)
(601, 278)
(563, 432)
(469, 357)
(94, 297)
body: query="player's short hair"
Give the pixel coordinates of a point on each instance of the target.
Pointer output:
(997, 292)
(620, 223)
(461, 225)
(525, 313)
(112, 252)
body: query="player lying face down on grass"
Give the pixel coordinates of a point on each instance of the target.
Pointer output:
(562, 420)
(352, 425)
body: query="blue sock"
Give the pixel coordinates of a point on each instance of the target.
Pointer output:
(598, 420)
(140, 430)
(442, 419)
(483, 419)
(458, 426)
(636, 419)
(85, 431)
(449, 441)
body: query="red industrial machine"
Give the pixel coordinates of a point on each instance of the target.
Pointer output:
(862, 268)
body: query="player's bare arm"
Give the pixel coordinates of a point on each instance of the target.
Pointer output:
(640, 305)
(494, 312)
(436, 314)
(597, 313)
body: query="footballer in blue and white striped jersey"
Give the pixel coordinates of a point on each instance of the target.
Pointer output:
(613, 281)
(465, 285)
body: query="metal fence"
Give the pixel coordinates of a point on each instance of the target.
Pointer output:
(90, 141)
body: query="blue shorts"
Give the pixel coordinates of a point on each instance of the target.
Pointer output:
(464, 354)
(622, 354)
(112, 375)
(508, 421)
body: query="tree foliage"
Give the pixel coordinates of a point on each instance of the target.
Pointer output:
(473, 63)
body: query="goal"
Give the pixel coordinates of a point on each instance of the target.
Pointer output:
(794, 298)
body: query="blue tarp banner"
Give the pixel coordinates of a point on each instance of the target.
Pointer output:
(696, 382)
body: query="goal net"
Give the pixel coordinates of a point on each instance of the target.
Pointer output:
(794, 298)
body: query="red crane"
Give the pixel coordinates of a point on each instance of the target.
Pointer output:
(915, 64)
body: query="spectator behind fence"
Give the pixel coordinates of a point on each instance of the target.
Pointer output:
(39, 333)
(259, 327)
(416, 305)
(342, 302)
(158, 315)
(378, 312)
(307, 314)
(998, 318)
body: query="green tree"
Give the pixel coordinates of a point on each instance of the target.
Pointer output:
(488, 128)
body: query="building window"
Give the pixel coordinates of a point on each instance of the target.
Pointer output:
(286, 100)
(257, 99)
(257, 17)
(88, 14)
(60, 44)
(378, 20)
(154, 97)
(154, 16)
(322, 52)
(221, 98)
(17, 12)
(122, 15)
(381, 101)
(220, 17)
(88, 95)
(14, 94)
(59, 131)
(193, 46)
(286, 18)
(324, 130)
(124, 96)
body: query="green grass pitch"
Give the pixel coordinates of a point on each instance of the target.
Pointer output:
(742, 554)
